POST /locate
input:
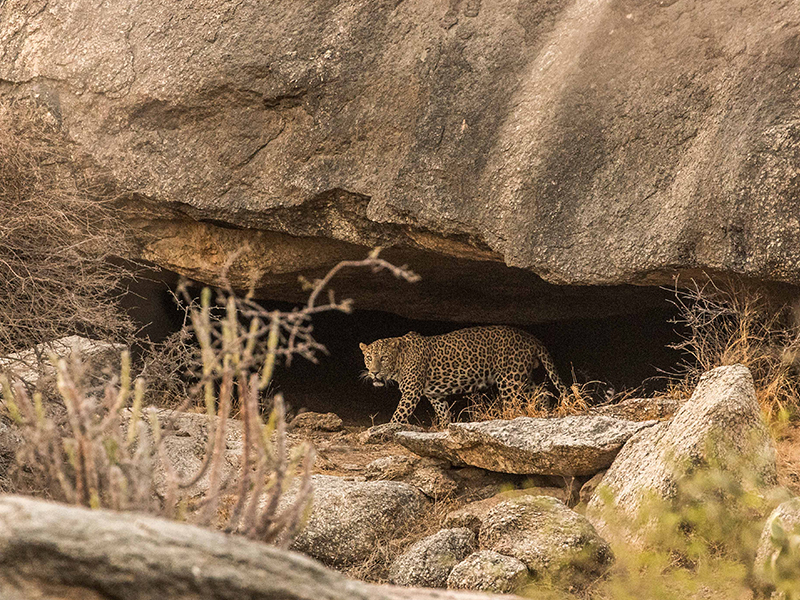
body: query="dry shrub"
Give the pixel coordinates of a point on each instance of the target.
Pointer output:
(738, 326)
(106, 453)
(700, 543)
(57, 234)
(486, 407)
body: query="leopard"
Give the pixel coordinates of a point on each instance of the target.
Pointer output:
(464, 361)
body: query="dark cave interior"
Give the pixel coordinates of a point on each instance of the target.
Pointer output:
(627, 352)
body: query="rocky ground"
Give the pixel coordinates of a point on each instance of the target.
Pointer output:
(491, 506)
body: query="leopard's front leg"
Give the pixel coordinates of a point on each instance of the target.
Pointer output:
(408, 402)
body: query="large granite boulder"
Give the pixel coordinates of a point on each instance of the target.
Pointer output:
(566, 446)
(57, 552)
(557, 544)
(720, 425)
(599, 143)
(428, 562)
(349, 517)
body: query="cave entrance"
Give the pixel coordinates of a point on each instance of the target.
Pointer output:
(625, 351)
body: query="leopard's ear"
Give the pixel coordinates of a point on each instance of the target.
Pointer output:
(362, 345)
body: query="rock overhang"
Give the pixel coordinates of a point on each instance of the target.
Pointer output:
(594, 145)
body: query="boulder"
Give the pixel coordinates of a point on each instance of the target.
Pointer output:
(317, 421)
(57, 552)
(473, 514)
(588, 144)
(778, 555)
(349, 517)
(721, 424)
(557, 544)
(428, 562)
(30, 365)
(431, 476)
(185, 442)
(489, 571)
(566, 446)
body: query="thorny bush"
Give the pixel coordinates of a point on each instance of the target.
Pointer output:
(58, 232)
(106, 455)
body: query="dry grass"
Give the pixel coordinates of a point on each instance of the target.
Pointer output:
(738, 326)
(488, 407)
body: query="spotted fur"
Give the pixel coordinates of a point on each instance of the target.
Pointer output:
(458, 362)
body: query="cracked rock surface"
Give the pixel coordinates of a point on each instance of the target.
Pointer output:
(581, 143)
(567, 446)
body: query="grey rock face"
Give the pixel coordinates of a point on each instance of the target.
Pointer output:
(776, 557)
(428, 562)
(349, 517)
(721, 422)
(104, 555)
(517, 132)
(567, 446)
(488, 571)
(554, 542)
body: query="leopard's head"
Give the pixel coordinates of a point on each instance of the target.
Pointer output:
(382, 359)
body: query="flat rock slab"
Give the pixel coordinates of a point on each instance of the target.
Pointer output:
(567, 446)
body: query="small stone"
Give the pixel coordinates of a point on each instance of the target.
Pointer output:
(390, 468)
(317, 421)
(428, 562)
(428, 475)
(489, 571)
(385, 432)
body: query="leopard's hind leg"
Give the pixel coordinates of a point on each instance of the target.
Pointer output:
(442, 410)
